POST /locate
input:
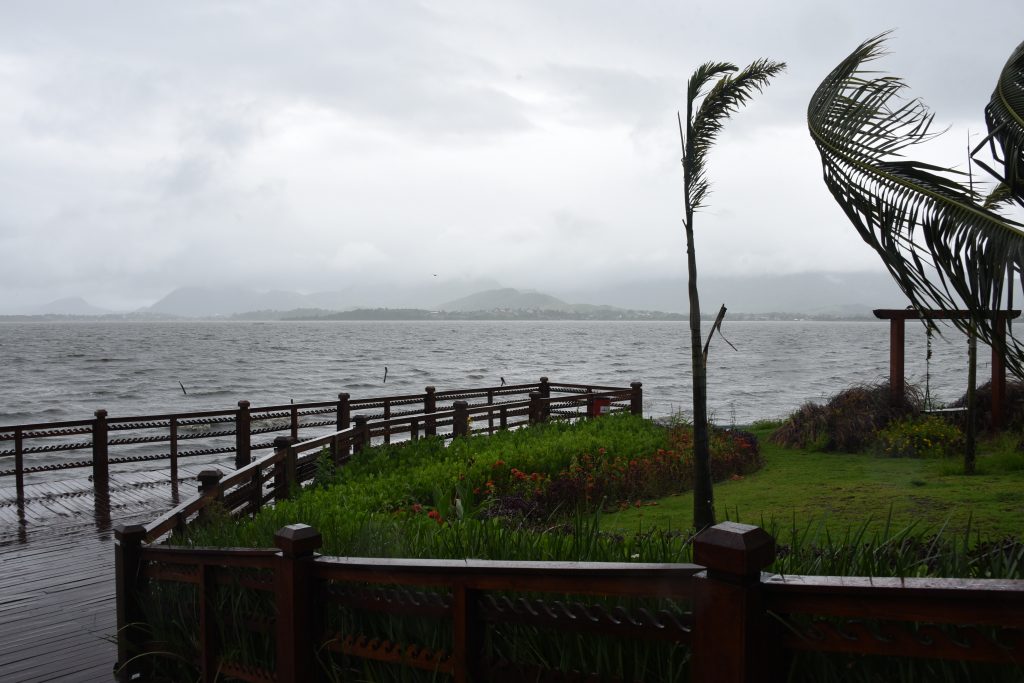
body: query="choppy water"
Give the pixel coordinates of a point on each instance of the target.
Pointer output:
(66, 371)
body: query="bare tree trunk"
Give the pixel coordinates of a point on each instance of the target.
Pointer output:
(972, 414)
(703, 493)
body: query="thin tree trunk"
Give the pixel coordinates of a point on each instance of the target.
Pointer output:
(703, 493)
(972, 414)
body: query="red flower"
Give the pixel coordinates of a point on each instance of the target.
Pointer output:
(416, 507)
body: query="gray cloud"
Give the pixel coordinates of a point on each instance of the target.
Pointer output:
(148, 146)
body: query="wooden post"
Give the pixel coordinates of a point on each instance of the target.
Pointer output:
(243, 424)
(295, 422)
(732, 639)
(544, 388)
(100, 456)
(19, 465)
(298, 629)
(896, 337)
(344, 412)
(998, 372)
(284, 471)
(387, 416)
(174, 452)
(636, 399)
(362, 434)
(209, 634)
(490, 413)
(460, 421)
(534, 413)
(209, 480)
(467, 634)
(590, 403)
(429, 406)
(127, 568)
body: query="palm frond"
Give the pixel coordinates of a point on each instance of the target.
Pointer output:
(943, 247)
(1004, 116)
(728, 93)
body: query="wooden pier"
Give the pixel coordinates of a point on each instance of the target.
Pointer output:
(57, 582)
(58, 510)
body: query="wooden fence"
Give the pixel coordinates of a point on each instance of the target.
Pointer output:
(722, 617)
(737, 624)
(52, 446)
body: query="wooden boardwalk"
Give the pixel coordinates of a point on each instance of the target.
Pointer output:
(57, 611)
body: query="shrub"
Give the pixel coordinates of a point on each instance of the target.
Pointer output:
(1013, 405)
(921, 437)
(848, 421)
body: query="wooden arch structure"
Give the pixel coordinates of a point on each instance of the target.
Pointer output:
(897, 318)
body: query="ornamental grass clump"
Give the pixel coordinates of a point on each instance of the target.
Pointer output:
(848, 421)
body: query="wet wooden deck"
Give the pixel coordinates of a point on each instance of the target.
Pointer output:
(57, 616)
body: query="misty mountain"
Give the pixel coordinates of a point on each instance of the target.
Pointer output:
(74, 305)
(506, 298)
(821, 292)
(205, 302)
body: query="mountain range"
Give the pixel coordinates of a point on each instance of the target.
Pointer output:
(825, 294)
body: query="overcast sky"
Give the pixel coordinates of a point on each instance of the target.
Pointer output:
(305, 145)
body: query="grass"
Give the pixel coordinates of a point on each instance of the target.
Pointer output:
(839, 491)
(831, 514)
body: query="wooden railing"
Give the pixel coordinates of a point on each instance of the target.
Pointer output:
(273, 477)
(50, 446)
(737, 624)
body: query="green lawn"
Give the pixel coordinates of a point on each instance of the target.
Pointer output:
(840, 491)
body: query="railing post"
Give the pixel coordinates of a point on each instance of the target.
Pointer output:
(344, 412)
(636, 399)
(174, 452)
(430, 406)
(243, 428)
(298, 627)
(490, 413)
(284, 470)
(387, 416)
(127, 567)
(100, 456)
(460, 420)
(590, 403)
(545, 405)
(19, 465)
(209, 480)
(467, 633)
(732, 640)
(362, 434)
(295, 422)
(535, 412)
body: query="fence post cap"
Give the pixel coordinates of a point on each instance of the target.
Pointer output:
(208, 479)
(298, 540)
(543, 380)
(460, 404)
(429, 390)
(733, 548)
(283, 441)
(343, 396)
(636, 385)
(360, 418)
(129, 533)
(243, 404)
(100, 413)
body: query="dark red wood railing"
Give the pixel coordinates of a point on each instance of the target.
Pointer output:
(44, 447)
(739, 626)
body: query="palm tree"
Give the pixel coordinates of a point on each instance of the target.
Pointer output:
(945, 246)
(1004, 116)
(730, 90)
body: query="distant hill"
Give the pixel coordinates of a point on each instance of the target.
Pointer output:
(75, 305)
(506, 298)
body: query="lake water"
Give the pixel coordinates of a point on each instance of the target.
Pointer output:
(66, 371)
